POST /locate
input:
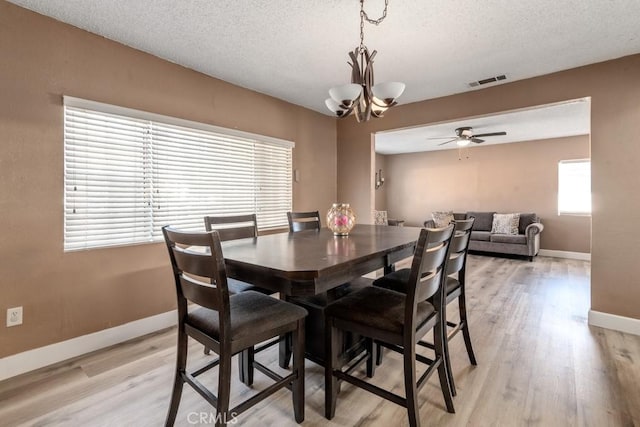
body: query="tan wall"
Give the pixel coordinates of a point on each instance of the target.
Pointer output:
(381, 193)
(615, 156)
(519, 177)
(69, 294)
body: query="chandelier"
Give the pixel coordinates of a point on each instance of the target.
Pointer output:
(361, 97)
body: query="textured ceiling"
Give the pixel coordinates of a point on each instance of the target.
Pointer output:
(297, 49)
(543, 122)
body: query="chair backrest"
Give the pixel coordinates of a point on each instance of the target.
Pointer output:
(300, 221)
(427, 277)
(199, 272)
(232, 227)
(459, 246)
(380, 218)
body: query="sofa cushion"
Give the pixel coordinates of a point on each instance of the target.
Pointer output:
(483, 221)
(505, 223)
(525, 220)
(519, 239)
(442, 219)
(484, 236)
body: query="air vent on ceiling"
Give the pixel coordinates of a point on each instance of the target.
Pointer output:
(487, 81)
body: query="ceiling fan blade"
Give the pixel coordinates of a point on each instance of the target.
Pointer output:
(490, 134)
(441, 137)
(446, 142)
(476, 140)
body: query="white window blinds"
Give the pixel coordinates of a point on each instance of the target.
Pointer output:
(127, 176)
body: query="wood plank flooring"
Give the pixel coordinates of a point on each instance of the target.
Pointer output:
(539, 364)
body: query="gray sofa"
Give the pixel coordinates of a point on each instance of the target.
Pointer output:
(526, 242)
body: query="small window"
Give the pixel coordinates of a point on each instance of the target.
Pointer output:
(574, 187)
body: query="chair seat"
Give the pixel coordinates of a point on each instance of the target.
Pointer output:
(236, 287)
(378, 308)
(252, 314)
(397, 281)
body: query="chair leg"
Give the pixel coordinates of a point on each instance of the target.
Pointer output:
(379, 351)
(285, 351)
(411, 390)
(442, 367)
(207, 351)
(331, 362)
(224, 388)
(178, 382)
(446, 359)
(462, 305)
(371, 356)
(245, 366)
(297, 388)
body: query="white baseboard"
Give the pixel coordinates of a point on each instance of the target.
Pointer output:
(30, 360)
(615, 322)
(583, 256)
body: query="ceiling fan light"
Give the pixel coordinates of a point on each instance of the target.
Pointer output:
(463, 142)
(344, 95)
(388, 91)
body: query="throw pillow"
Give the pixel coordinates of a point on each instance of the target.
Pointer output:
(505, 223)
(380, 218)
(442, 219)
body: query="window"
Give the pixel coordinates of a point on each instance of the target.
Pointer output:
(574, 187)
(129, 173)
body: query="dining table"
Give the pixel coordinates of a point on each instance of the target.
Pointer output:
(312, 268)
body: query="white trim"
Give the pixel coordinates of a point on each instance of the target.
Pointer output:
(627, 325)
(30, 360)
(583, 256)
(145, 115)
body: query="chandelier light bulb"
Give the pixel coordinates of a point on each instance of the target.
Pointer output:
(388, 92)
(333, 106)
(345, 95)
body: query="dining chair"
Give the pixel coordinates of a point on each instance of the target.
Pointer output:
(235, 227)
(227, 324)
(300, 221)
(232, 227)
(397, 321)
(455, 289)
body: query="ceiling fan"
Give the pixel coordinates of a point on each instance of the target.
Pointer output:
(465, 135)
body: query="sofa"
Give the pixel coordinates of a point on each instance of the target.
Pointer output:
(525, 243)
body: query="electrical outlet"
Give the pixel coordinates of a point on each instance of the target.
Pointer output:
(14, 316)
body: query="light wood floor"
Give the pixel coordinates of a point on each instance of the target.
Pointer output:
(539, 364)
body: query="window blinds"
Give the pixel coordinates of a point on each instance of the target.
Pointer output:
(126, 177)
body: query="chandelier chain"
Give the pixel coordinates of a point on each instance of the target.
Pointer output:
(365, 17)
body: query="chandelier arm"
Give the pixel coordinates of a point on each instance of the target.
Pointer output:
(347, 112)
(356, 74)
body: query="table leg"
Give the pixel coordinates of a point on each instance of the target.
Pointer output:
(351, 345)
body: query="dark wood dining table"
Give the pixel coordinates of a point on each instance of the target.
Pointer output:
(316, 264)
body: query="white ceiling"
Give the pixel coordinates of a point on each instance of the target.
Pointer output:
(297, 49)
(558, 120)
